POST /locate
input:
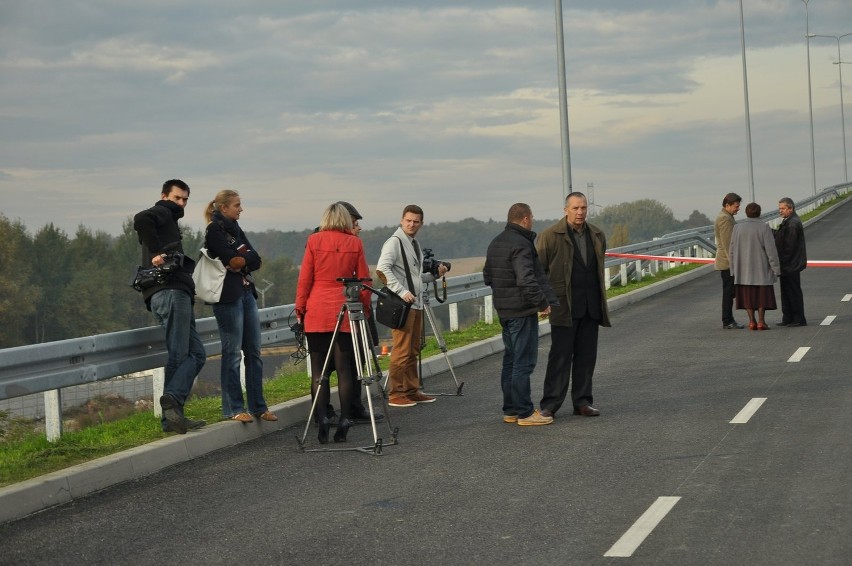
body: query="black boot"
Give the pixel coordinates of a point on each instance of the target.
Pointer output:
(342, 430)
(324, 426)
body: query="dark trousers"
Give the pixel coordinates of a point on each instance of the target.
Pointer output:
(572, 358)
(727, 296)
(792, 301)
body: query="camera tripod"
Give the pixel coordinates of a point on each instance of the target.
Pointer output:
(366, 364)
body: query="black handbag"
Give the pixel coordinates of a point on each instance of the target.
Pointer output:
(392, 310)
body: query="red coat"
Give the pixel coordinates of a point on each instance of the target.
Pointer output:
(329, 254)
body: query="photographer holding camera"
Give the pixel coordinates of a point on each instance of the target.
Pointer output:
(170, 300)
(401, 254)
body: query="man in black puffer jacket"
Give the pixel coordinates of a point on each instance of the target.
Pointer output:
(521, 291)
(171, 302)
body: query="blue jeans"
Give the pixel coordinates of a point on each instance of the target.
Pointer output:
(172, 308)
(520, 336)
(239, 329)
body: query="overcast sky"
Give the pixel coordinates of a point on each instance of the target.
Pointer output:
(450, 105)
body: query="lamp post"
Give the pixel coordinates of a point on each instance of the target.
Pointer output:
(747, 116)
(839, 64)
(810, 97)
(567, 185)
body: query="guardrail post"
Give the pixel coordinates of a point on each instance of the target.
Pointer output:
(454, 317)
(53, 414)
(623, 273)
(654, 267)
(489, 309)
(158, 379)
(638, 276)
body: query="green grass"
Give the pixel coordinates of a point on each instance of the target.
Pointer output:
(25, 453)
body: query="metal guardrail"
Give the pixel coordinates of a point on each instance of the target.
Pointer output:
(40, 368)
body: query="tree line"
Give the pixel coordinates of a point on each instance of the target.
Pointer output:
(54, 286)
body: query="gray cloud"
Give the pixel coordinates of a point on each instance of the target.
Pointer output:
(452, 105)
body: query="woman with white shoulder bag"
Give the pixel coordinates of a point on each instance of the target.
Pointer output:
(236, 309)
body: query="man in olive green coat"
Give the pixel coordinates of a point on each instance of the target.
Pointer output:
(572, 253)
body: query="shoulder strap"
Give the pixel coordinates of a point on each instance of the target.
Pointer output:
(228, 237)
(407, 269)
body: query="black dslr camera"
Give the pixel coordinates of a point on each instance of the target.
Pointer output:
(431, 265)
(147, 277)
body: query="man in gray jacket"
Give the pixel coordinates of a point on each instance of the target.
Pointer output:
(521, 291)
(400, 267)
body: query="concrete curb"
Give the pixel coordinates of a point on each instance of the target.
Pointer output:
(27, 497)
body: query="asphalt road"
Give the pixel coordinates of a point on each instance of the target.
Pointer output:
(462, 487)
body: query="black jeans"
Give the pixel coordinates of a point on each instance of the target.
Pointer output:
(727, 296)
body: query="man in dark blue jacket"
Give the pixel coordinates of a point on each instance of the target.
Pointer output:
(171, 302)
(520, 291)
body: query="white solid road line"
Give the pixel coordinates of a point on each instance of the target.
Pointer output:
(800, 353)
(828, 320)
(750, 409)
(636, 534)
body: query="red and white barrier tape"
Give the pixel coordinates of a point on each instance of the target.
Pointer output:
(811, 263)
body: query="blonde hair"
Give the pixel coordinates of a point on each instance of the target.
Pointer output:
(221, 199)
(336, 217)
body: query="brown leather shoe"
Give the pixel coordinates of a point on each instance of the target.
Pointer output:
(587, 411)
(547, 413)
(268, 416)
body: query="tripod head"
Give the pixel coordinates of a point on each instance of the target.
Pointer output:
(354, 285)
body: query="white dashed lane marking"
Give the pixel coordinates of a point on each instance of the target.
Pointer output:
(750, 409)
(827, 320)
(636, 534)
(846, 298)
(800, 353)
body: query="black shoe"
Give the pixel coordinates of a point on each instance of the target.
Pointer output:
(190, 425)
(795, 324)
(170, 411)
(342, 430)
(782, 323)
(733, 326)
(363, 418)
(194, 424)
(324, 427)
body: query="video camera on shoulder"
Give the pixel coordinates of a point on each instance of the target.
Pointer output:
(431, 265)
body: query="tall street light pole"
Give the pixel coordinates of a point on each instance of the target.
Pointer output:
(563, 106)
(839, 64)
(747, 116)
(810, 97)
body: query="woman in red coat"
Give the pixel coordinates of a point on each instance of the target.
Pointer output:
(331, 253)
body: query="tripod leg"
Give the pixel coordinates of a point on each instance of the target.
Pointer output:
(441, 343)
(322, 379)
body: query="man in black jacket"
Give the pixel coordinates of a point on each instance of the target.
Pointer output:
(171, 302)
(520, 291)
(790, 241)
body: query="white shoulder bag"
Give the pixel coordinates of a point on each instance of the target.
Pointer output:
(209, 277)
